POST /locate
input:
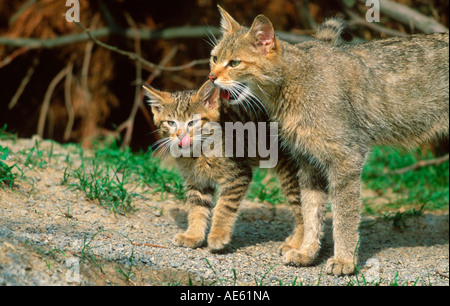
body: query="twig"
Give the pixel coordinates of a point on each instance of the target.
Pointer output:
(136, 57)
(24, 83)
(155, 246)
(441, 273)
(22, 9)
(47, 99)
(137, 94)
(423, 163)
(7, 60)
(303, 13)
(68, 102)
(410, 17)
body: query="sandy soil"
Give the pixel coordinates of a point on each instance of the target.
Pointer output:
(52, 235)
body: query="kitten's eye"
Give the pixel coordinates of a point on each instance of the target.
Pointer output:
(234, 63)
(215, 59)
(171, 123)
(192, 123)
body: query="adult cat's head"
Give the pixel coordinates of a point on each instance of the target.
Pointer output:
(245, 63)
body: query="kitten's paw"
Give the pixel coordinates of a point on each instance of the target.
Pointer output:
(218, 242)
(339, 267)
(289, 244)
(189, 241)
(296, 258)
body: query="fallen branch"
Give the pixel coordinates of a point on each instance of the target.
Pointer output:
(423, 163)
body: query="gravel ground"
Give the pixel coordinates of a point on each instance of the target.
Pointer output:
(51, 235)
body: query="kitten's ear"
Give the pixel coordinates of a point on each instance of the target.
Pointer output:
(227, 23)
(209, 95)
(156, 97)
(262, 34)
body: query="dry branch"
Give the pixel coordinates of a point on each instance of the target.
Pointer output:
(138, 90)
(170, 33)
(47, 99)
(423, 163)
(136, 57)
(7, 60)
(23, 83)
(68, 102)
(357, 20)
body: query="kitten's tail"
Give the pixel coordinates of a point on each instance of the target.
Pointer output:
(335, 31)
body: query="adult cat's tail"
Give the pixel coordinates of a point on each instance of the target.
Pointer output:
(335, 31)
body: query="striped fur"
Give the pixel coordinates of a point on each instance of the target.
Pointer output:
(231, 175)
(335, 31)
(333, 103)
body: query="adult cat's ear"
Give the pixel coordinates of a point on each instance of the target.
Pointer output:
(227, 22)
(209, 95)
(262, 35)
(156, 97)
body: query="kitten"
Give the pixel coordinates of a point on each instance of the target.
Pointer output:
(332, 104)
(176, 117)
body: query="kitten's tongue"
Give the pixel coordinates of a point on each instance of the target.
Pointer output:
(225, 94)
(185, 142)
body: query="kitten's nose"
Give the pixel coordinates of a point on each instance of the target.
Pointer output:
(212, 77)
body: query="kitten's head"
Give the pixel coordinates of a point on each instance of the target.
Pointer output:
(246, 61)
(180, 116)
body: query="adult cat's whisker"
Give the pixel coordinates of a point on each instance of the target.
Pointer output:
(251, 96)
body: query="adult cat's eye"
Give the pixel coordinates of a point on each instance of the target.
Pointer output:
(171, 123)
(215, 59)
(234, 63)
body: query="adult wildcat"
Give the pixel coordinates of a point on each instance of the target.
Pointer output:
(332, 104)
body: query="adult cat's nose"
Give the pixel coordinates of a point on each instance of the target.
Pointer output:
(212, 77)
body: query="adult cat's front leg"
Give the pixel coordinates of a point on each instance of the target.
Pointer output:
(199, 202)
(345, 192)
(232, 190)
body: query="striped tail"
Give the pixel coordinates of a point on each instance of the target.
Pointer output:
(335, 31)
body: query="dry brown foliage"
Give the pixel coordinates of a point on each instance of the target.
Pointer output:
(97, 91)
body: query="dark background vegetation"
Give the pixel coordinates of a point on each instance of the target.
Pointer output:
(95, 95)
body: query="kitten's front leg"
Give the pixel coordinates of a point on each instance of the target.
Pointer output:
(232, 191)
(199, 202)
(287, 176)
(313, 199)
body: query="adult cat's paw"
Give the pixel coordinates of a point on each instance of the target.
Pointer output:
(284, 248)
(188, 241)
(297, 258)
(218, 241)
(339, 267)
